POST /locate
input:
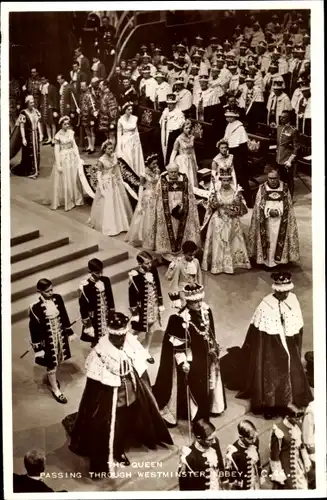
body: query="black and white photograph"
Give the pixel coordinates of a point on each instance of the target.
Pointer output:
(163, 295)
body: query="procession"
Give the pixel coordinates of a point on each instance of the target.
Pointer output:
(192, 152)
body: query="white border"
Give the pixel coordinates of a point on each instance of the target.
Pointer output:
(318, 240)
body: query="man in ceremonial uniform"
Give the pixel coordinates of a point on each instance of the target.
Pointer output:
(161, 92)
(205, 100)
(303, 110)
(278, 102)
(49, 108)
(188, 384)
(67, 98)
(50, 330)
(237, 139)
(198, 44)
(117, 405)
(242, 459)
(288, 459)
(184, 97)
(76, 76)
(251, 101)
(108, 109)
(145, 298)
(148, 86)
(288, 146)
(146, 61)
(171, 123)
(201, 466)
(84, 63)
(128, 93)
(32, 87)
(96, 303)
(273, 235)
(98, 69)
(272, 375)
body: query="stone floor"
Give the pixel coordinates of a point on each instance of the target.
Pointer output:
(233, 299)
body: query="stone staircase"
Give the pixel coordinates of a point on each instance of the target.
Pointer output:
(41, 248)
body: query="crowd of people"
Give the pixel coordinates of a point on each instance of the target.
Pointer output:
(261, 74)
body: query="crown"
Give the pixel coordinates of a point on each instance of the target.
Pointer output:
(225, 173)
(193, 292)
(282, 282)
(150, 158)
(118, 324)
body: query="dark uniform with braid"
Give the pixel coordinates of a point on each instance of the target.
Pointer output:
(96, 302)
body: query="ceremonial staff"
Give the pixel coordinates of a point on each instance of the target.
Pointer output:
(28, 350)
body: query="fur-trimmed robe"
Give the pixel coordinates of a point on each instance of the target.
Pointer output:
(272, 375)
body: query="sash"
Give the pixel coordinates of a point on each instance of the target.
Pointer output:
(175, 243)
(282, 228)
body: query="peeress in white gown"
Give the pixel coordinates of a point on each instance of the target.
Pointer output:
(129, 146)
(184, 155)
(65, 186)
(111, 211)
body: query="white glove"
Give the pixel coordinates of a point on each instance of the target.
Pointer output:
(39, 354)
(161, 308)
(55, 114)
(73, 337)
(24, 88)
(135, 318)
(186, 367)
(90, 331)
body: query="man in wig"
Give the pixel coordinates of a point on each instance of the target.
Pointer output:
(117, 404)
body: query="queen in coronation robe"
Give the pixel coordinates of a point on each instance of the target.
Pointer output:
(117, 404)
(176, 217)
(272, 375)
(273, 235)
(225, 248)
(189, 384)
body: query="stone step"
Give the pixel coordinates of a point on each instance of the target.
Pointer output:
(50, 259)
(24, 235)
(64, 272)
(69, 290)
(37, 246)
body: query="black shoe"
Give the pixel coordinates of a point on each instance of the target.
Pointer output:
(123, 460)
(91, 152)
(150, 360)
(60, 399)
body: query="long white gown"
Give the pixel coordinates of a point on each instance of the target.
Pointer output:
(111, 211)
(184, 156)
(225, 247)
(129, 146)
(65, 185)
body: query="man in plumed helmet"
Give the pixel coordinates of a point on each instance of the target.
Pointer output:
(117, 403)
(271, 372)
(189, 384)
